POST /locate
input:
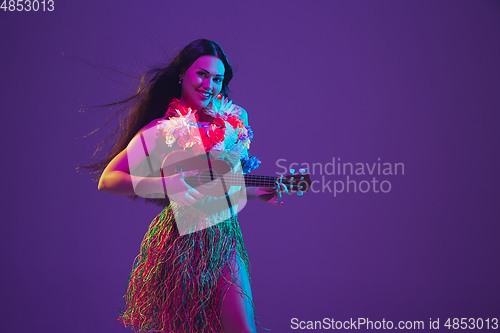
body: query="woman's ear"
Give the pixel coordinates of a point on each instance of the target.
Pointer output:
(181, 74)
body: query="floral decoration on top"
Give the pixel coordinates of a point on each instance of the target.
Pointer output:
(226, 132)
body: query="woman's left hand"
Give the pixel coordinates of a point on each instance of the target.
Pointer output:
(272, 195)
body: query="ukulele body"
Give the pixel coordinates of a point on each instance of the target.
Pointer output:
(211, 171)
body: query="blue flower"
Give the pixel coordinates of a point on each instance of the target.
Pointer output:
(250, 132)
(250, 163)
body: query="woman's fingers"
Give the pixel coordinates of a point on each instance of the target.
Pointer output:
(181, 192)
(191, 191)
(185, 174)
(278, 189)
(190, 196)
(194, 193)
(275, 202)
(186, 198)
(189, 199)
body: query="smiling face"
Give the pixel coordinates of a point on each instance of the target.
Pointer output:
(202, 82)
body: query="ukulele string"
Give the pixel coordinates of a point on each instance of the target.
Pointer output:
(249, 180)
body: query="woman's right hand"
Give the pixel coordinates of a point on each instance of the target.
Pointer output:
(181, 192)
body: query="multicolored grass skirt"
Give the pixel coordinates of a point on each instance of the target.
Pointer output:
(177, 282)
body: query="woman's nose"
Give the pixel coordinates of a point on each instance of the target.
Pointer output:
(208, 84)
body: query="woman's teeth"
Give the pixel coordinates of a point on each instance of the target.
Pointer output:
(205, 94)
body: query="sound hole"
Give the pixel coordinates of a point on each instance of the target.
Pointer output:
(207, 176)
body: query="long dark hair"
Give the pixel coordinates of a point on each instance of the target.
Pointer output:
(157, 88)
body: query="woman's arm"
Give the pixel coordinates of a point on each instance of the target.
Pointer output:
(266, 194)
(116, 178)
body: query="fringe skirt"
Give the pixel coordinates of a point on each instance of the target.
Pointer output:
(177, 282)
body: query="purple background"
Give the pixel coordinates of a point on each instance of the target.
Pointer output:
(415, 82)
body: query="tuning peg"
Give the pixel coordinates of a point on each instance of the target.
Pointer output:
(292, 170)
(299, 193)
(302, 171)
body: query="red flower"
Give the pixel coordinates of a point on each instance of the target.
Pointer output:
(205, 139)
(183, 140)
(219, 122)
(174, 106)
(235, 122)
(199, 149)
(216, 134)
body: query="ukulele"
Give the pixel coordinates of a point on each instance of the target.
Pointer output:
(215, 176)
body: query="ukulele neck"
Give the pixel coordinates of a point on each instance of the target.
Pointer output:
(260, 181)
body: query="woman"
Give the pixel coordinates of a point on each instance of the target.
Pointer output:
(194, 277)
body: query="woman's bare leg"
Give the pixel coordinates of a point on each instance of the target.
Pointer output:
(237, 315)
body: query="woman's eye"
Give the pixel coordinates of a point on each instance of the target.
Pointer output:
(202, 74)
(218, 79)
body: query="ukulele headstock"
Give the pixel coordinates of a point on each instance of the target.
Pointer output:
(297, 182)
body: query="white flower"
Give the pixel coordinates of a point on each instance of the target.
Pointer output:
(175, 127)
(219, 146)
(222, 108)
